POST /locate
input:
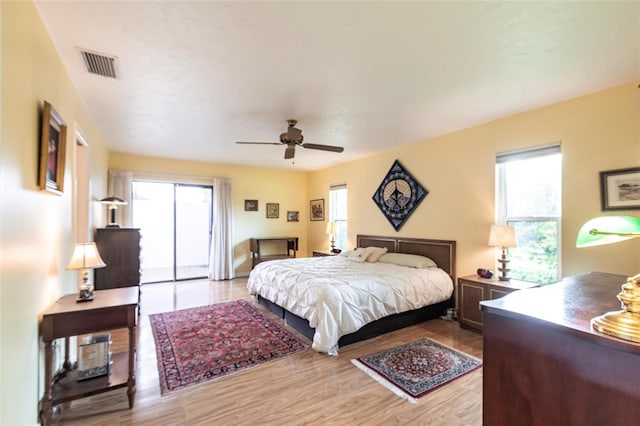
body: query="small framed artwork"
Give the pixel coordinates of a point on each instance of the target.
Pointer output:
(250, 205)
(317, 209)
(53, 139)
(620, 189)
(293, 216)
(273, 210)
(94, 357)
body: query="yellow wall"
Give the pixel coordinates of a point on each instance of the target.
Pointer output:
(600, 131)
(288, 188)
(36, 235)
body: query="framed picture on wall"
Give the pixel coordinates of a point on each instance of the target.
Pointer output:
(251, 205)
(317, 209)
(620, 189)
(53, 137)
(292, 216)
(273, 210)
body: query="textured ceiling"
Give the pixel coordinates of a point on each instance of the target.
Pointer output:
(194, 77)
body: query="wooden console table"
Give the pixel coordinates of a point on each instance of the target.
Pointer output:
(544, 365)
(110, 309)
(285, 247)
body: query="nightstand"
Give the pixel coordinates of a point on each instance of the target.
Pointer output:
(110, 309)
(321, 253)
(473, 289)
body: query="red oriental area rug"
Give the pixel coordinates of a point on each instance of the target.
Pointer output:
(415, 369)
(199, 344)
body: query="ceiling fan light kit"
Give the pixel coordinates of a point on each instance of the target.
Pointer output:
(291, 138)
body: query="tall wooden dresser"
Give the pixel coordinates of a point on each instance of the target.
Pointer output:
(120, 250)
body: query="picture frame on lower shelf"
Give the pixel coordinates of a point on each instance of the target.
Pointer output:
(94, 357)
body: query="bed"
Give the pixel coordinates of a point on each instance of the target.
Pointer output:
(360, 306)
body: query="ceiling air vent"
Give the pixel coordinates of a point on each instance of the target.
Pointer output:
(100, 64)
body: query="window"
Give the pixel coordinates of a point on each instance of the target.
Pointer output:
(338, 213)
(528, 197)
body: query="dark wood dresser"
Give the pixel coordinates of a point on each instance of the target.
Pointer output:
(120, 250)
(544, 365)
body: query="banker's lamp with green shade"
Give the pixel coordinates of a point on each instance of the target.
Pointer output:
(624, 324)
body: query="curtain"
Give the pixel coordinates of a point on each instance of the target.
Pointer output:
(119, 185)
(221, 260)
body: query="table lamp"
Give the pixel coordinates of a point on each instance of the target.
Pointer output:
(331, 231)
(113, 203)
(85, 256)
(503, 236)
(624, 324)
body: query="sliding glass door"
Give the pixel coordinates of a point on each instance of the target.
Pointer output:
(175, 223)
(193, 231)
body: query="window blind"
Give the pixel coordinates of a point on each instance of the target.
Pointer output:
(525, 154)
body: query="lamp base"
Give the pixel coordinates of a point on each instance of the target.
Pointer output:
(624, 324)
(504, 270)
(621, 324)
(86, 293)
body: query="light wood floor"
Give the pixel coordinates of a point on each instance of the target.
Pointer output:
(305, 388)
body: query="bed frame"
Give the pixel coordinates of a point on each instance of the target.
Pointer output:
(443, 252)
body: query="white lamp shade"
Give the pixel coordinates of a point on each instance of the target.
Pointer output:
(502, 236)
(331, 228)
(85, 256)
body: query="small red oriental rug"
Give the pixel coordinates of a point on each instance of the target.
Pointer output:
(199, 344)
(415, 369)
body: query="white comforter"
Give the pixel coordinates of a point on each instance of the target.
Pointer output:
(338, 296)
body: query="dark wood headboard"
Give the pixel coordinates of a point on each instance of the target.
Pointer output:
(443, 252)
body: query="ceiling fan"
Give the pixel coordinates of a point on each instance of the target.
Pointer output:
(291, 138)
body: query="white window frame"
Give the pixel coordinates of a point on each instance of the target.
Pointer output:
(501, 206)
(341, 222)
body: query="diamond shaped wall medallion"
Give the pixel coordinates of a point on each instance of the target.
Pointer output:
(398, 195)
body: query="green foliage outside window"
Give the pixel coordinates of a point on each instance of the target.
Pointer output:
(536, 258)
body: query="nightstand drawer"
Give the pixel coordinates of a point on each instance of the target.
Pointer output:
(473, 289)
(471, 294)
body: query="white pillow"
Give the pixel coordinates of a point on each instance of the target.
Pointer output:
(375, 254)
(411, 260)
(358, 255)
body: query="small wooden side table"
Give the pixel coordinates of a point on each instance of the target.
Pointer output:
(110, 309)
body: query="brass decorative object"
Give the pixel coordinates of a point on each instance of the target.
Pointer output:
(624, 324)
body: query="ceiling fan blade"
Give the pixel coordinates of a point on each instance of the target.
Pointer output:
(261, 143)
(323, 147)
(290, 152)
